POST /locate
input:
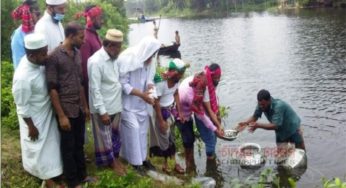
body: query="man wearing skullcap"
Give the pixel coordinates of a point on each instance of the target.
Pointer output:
(93, 16)
(28, 13)
(50, 23)
(105, 101)
(162, 141)
(64, 79)
(198, 97)
(39, 135)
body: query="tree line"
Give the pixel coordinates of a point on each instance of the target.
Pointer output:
(154, 6)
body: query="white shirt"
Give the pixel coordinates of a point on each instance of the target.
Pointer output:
(135, 79)
(30, 94)
(54, 32)
(104, 86)
(166, 94)
(29, 89)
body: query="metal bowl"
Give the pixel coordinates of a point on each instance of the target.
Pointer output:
(230, 135)
(296, 159)
(251, 155)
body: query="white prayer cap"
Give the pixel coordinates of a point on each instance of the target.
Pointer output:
(114, 35)
(179, 63)
(55, 2)
(35, 41)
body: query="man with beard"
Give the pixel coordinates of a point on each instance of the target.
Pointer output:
(39, 135)
(64, 79)
(105, 101)
(197, 96)
(50, 23)
(92, 41)
(162, 141)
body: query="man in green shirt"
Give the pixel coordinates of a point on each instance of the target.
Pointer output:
(282, 118)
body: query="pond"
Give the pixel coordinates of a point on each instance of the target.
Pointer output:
(298, 55)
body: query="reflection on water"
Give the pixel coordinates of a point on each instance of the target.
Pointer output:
(299, 56)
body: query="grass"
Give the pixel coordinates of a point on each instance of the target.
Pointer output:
(13, 174)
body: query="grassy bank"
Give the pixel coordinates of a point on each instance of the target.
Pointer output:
(13, 174)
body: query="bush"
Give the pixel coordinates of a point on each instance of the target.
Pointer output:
(7, 27)
(8, 107)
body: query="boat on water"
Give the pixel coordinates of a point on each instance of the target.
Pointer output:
(143, 19)
(169, 49)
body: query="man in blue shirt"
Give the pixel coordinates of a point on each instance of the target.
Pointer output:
(282, 118)
(28, 12)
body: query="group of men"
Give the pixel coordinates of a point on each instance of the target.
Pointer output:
(67, 75)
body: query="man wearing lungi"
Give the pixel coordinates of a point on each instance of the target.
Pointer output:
(105, 101)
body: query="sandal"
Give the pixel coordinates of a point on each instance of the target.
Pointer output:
(178, 169)
(90, 179)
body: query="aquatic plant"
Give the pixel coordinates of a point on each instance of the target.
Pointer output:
(333, 183)
(224, 111)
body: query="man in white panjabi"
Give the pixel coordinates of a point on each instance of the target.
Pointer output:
(105, 101)
(39, 135)
(50, 23)
(136, 77)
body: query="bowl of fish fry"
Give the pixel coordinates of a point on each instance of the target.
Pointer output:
(230, 135)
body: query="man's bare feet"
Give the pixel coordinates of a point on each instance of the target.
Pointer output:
(119, 168)
(118, 162)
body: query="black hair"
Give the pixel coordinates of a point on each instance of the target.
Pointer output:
(29, 2)
(35, 9)
(88, 7)
(214, 66)
(72, 28)
(263, 95)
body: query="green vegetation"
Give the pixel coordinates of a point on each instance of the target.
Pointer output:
(333, 183)
(8, 108)
(13, 174)
(207, 8)
(267, 179)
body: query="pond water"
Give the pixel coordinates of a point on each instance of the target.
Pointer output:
(299, 56)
